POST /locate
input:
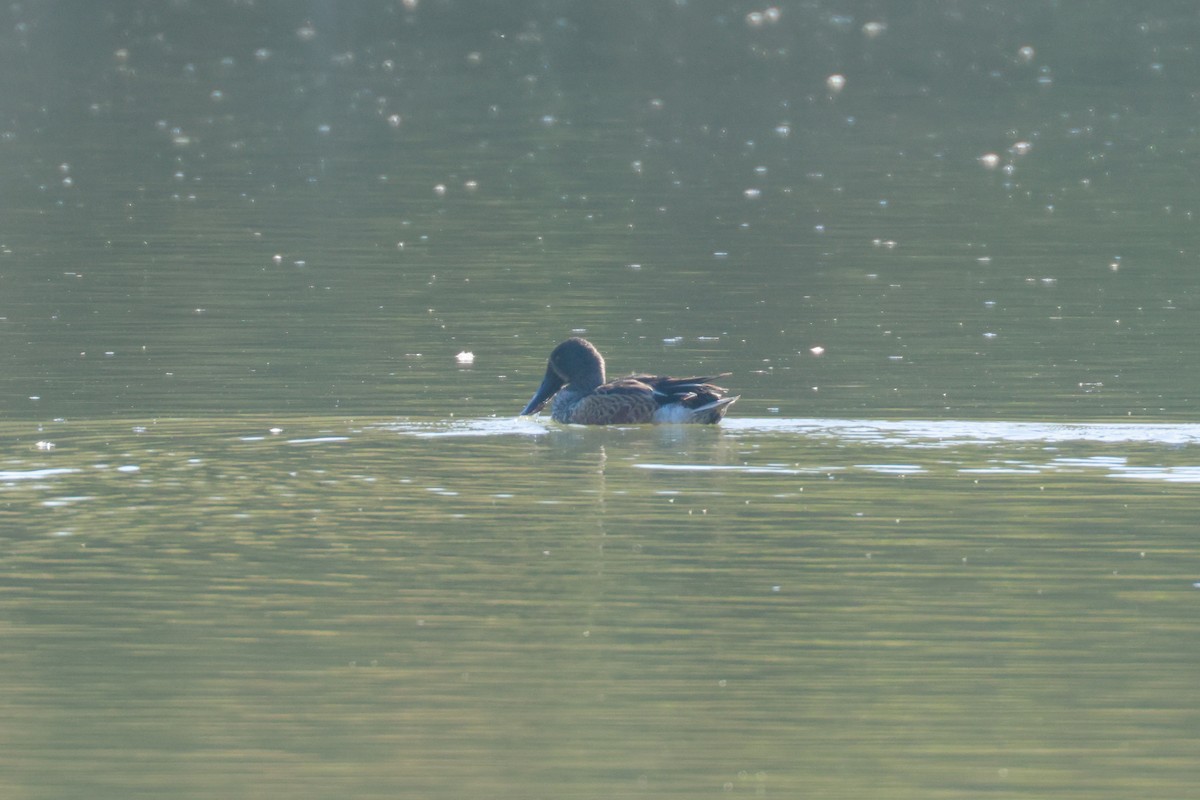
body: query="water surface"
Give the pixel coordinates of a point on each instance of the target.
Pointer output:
(263, 532)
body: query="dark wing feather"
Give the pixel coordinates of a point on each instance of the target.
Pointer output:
(691, 392)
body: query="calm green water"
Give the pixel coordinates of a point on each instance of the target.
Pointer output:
(262, 533)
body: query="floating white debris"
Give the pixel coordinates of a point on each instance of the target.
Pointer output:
(874, 29)
(817, 351)
(989, 160)
(465, 357)
(45, 445)
(835, 82)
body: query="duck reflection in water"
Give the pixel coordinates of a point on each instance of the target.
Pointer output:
(582, 396)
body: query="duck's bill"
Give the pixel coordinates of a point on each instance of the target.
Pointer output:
(550, 385)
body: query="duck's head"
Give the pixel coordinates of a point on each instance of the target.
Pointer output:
(576, 362)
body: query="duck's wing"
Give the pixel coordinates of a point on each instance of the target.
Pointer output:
(692, 392)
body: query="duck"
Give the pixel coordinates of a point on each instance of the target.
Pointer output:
(582, 396)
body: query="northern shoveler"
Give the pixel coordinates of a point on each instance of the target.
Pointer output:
(575, 373)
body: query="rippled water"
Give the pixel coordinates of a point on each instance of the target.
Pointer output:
(266, 530)
(790, 606)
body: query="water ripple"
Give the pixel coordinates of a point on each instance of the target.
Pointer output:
(953, 433)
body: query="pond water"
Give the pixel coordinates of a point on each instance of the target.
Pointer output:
(262, 531)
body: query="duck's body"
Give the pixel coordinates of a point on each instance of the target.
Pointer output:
(575, 379)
